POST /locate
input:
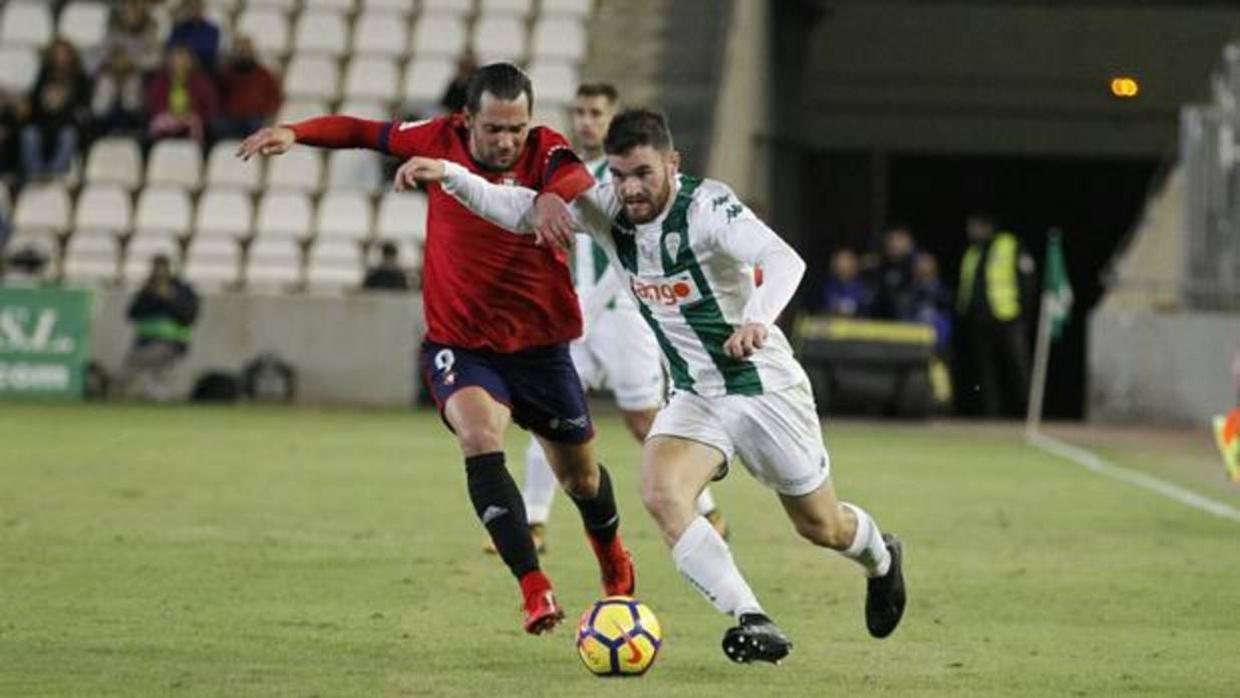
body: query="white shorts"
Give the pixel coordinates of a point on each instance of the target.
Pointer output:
(619, 352)
(777, 435)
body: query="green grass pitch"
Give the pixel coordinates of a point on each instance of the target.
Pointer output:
(272, 552)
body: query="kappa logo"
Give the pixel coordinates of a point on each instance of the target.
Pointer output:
(677, 290)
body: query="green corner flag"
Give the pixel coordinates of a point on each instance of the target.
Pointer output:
(1056, 286)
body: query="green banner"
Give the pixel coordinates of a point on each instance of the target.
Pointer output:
(44, 342)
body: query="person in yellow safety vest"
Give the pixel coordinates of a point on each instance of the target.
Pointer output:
(163, 312)
(996, 278)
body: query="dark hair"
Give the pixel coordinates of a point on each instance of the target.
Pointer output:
(599, 89)
(635, 127)
(502, 80)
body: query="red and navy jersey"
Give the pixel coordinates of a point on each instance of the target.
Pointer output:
(484, 287)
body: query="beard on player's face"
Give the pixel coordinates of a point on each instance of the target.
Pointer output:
(643, 180)
(498, 131)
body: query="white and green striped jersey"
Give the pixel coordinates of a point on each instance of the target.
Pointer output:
(590, 261)
(689, 272)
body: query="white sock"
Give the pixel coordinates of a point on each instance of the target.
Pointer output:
(705, 502)
(540, 484)
(868, 548)
(704, 559)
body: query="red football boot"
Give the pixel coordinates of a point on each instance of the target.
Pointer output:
(542, 613)
(616, 566)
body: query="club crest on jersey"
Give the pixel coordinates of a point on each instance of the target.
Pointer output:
(671, 244)
(667, 292)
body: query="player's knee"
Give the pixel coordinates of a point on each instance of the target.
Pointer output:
(582, 483)
(479, 438)
(826, 531)
(661, 501)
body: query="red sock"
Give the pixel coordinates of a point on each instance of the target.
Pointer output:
(534, 583)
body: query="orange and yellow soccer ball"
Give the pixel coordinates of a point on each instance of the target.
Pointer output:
(618, 636)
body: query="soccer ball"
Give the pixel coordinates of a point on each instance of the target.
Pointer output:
(618, 636)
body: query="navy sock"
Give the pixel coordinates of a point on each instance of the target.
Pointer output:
(599, 512)
(499, 506)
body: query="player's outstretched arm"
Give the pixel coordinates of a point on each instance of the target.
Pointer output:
(332, 131)
(275, 140)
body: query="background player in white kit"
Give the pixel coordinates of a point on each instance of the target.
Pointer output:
(686, 247)
(617, 351)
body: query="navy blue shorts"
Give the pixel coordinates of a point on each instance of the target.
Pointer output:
(539, 385)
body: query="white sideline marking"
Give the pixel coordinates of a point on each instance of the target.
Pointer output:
(1095, 463)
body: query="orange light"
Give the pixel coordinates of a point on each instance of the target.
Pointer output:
(1125, 87)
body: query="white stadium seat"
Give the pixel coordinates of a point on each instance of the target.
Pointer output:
(43, 208)
(103, 208)
(26, 23)
(175, 162)
(115, 161)
(572, 8)
(321, 33)
(141, 250)
(512, 8)
(459, 8)
(315, 77)
(371, 77)
(300, 169)
(284, 214)
(553, 116)
(225, 169)
(273, 264)
(283, 6)
(554, 82)
(559, 37)
(402, 216)
(382, 33)
(19, 65)
(334, 5)
(334, 265)
(295, 110)
(401, 7)
(366, 109)
(225, 213)
(343, 215)
(41, 242)
(499, 39)
(163, 210)
(212, 262)
(354, 169)
(268, 27)
(439, 35)
(426, 78)
(84, 23)
(92, 259)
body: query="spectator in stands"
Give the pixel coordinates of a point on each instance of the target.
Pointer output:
(250, 95)
(845, 292)
(118, 105)
(133, 30)
(163, 313)
(194, 30)
(893, 278)
(454, 95)
(931, 301)
(59, 103)
(181, 99)
(12, 111)
(388, 275)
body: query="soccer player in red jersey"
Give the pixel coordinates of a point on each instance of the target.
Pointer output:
(500, 312)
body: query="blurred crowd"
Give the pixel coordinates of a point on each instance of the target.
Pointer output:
(140, 83)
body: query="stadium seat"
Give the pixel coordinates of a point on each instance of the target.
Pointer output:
(409, 253)
(384, 33)
(300, 169)
(212, 263)
(371, 77)
(321, 33)
(41, 242)
(267, 26)
(555, 81)
(334, 265)
(562, 38)
(366, 109)
(115, 161)
(402, 216)
(439, 35)
(6, 201)
(225, 169)
(401, 7)
(283, 6)
(499, 39)
(163, 210)
(345, 215)
(354, 169)
(458, 8)
(224, 213)
(273, 264)
(19, 65)
(26, 23)
(84, 23)
(299, 109)
(510, 8)
(315, 77)
(92, 259)
(572, 8)
(103, 208)
(43, 208)
(553, 116)
(283, 214)
(344, 6)
(426, 78)
(141, 250)
(175, 162)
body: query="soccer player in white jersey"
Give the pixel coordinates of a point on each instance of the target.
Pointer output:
(686, 246)
(618, 350)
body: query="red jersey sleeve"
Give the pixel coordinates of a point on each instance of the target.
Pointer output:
(405, 139)
(563, 173)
